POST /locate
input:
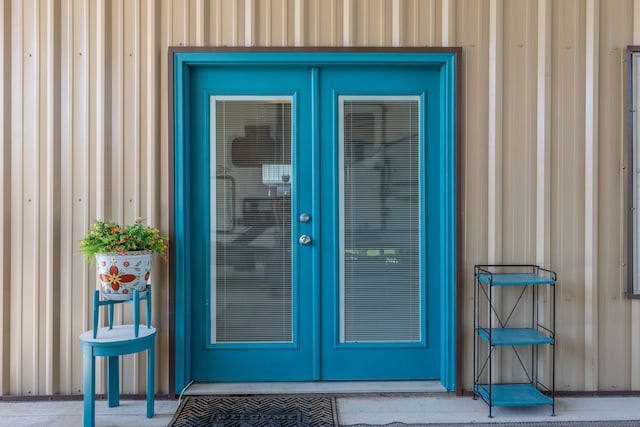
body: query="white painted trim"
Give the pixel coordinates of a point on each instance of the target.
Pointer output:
(213, 194)
(346, 23)
(152, 102)
(67, 341)
(543, 134)
(494, 217)
(98, 109)
(591, 197)
(218, 17)
(334, 26)
(447, 21)
(249, 13)
(185, 24)
(200, 17)
(17, 190)
(118, 116)
(299, 14)
(50, 221)
(137, 143)
(396, 24)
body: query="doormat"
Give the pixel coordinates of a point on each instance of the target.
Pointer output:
(256, 411)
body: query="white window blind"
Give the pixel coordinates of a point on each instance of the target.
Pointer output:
(251, 220)
(380, 289)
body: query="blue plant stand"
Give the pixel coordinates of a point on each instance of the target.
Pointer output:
(135, 301)
(112, 342)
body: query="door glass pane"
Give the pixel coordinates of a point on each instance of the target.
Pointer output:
(251, 220)
(380, 219)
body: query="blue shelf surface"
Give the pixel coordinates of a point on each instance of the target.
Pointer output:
(514, 279)
(514, 336)
(513, 395)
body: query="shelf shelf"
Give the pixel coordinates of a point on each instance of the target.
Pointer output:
(513, 336)
(513, 395)
(515, 279)
(514, 314)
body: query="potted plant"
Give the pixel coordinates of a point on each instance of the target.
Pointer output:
(123, 255)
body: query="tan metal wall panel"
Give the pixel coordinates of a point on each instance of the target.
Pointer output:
(84, 135)
(5, 172)
(634, 319)
(567, 186)
(473, 36)
(614, 311)
(324, 23)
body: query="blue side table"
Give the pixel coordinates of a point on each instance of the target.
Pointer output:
(112, 343)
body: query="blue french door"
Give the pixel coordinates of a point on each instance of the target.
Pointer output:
(381, 310)
(250, 314)
(317, 219)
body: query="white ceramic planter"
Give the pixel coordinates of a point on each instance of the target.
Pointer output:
(120, 274)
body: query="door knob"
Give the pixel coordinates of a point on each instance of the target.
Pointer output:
(305, 240)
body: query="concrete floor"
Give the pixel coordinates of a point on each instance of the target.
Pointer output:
(357, 403)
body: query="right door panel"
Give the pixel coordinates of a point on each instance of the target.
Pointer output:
(379, 309)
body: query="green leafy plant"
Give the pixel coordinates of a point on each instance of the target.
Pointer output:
(105, 237)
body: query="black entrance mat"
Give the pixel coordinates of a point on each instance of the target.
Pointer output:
(256, 411)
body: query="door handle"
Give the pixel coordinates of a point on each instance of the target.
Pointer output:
(305, 240)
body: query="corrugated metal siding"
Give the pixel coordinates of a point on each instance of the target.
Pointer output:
(84, 134)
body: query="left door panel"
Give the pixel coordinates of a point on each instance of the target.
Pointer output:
(246, 185)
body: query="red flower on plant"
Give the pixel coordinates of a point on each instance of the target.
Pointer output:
(115, 278)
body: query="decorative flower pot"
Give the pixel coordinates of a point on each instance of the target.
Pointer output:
(119, 274)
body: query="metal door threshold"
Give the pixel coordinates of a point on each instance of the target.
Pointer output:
(324, 387)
